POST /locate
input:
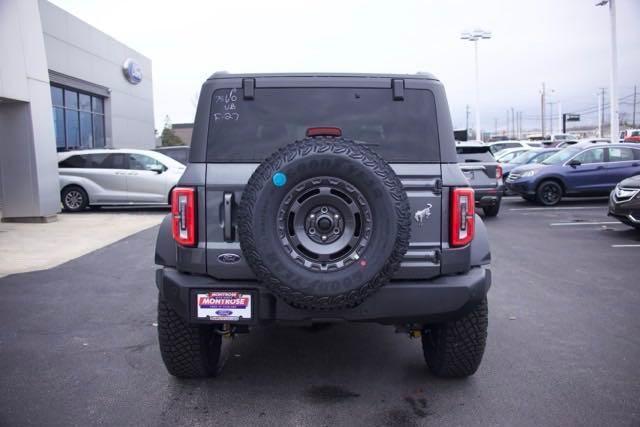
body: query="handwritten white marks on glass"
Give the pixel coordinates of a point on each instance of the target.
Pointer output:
(227, 103)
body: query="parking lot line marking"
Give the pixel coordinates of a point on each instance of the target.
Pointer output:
(625, 246)
(560, 224)
(558, 208)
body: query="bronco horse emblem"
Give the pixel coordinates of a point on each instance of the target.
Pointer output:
(421, 216)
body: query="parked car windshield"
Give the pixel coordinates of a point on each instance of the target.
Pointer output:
(542, 156)
(474, 154)
(249, 130)
(524, 158)
(562, 156)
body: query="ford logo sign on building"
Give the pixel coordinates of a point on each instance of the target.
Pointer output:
(132, 71)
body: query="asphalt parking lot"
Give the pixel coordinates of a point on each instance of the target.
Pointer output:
(78, 344)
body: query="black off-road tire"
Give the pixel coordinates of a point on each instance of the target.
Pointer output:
(188, 351)
(455, 349)
(490, 211)
(78, 202)
(329, 158)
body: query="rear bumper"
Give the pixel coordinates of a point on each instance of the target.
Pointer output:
(399, 302)
(485, 197)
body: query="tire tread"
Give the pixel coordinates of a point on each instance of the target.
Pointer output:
(455, 349)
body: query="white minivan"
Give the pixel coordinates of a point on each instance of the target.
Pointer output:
(116, 177)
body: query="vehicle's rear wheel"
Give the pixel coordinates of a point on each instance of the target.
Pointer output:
(74, 198)
(190, 351)
(455, 349)
(491, 210)
(549, 193)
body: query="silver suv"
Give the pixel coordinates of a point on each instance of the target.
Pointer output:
(116, 177)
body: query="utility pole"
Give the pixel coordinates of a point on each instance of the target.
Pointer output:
(603, 121)
(551, 117)
(613, 91)
(634, 107)
(508, 128)
(467, 113)
(474, 36)
(614, 112)
(513, 124)
(560, 122)
(542, 104)
(519, 124)
(599, 96)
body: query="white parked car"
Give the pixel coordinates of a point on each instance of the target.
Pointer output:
(499, 146)
(116, 177)
(505, 156)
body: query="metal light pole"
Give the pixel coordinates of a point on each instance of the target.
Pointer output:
(613, 74)
(474, 36)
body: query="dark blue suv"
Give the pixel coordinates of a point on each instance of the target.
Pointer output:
(580, 170)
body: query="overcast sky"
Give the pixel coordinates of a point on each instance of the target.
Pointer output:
(564, 43)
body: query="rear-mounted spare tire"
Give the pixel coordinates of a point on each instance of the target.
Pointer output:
(324, 222)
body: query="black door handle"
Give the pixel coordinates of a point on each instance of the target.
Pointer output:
(228, 226)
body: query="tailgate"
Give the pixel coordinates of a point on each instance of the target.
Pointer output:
(422, 183)
(225, 183)
(480, 174)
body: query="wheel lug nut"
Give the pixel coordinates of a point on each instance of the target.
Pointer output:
(336, 231)
(336, 216)
(324, 209)
(312, 216)
(324, 237)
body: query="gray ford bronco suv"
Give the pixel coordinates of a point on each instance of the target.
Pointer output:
(318, 198)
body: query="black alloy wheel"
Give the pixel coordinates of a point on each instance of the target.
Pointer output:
(549, 193)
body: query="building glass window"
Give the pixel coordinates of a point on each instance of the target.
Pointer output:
(58, 125)
(78, 119)
(56, 96)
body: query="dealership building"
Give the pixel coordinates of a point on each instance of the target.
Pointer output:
(64, 85)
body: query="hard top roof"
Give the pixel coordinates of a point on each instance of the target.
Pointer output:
(226, 75)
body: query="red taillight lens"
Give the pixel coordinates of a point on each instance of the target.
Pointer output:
(462, 219)
(498, 172)
(183, 215)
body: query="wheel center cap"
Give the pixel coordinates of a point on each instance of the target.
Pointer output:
(324, 224)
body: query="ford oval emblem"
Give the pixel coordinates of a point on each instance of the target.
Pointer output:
(228, 258)
(132, 71)
(224, 312)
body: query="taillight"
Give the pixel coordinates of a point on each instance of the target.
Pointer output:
(324, 131)
(498, 172)
(462, 219)
(183, 215)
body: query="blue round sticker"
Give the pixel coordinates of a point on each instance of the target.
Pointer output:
(279, 179)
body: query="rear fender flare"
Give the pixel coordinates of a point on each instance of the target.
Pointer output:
(166, 248)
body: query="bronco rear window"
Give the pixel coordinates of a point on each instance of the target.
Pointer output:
(249, 130)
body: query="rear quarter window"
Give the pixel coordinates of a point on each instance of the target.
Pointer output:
(74, 162)
(474, 154)
(249, 130)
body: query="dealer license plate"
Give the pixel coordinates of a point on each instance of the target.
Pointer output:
(223, 306)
